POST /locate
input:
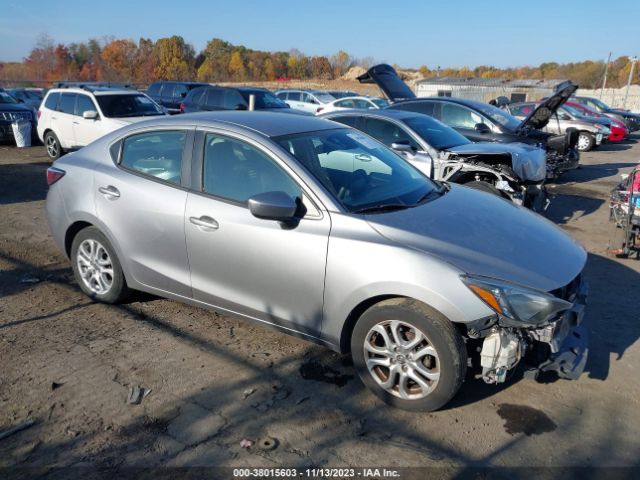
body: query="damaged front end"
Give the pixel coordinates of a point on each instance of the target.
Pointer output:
(547, 335)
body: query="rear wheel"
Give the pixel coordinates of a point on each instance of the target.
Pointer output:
(408, 354)
(585, 141)
(96, 267)
(54, 150)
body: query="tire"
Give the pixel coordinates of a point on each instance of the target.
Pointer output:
(445, 362)
(483, 187)
(51, 142)
(91, 252)
(586, 141)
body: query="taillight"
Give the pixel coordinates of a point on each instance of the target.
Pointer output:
(182, 108)
(54, 174)
(319, 109)
(39, 113)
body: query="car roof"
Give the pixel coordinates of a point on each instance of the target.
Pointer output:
(391, 114)
(461, 101)
(96, 91)
(268, 124)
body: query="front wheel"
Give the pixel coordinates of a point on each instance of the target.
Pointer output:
(408, 354)
(586, 141)
(96, 267)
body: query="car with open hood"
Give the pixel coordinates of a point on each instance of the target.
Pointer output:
(591, 132)
(481, 122)
(265, 216)
(516, 171)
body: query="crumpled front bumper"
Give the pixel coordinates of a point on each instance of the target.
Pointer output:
(565, 343)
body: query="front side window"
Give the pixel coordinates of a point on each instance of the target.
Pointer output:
(156, 154)
(196, 96)
(84, 104)
(436, 133)
(167, 90)
(387, 132)
(458, 116)
(67, 103)
(127, 105)
(359, 172)
(180, 91)
(294, 96)
(236, 171)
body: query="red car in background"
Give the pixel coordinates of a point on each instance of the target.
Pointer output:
(618, 129)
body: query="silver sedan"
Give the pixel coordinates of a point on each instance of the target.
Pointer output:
(321, 231)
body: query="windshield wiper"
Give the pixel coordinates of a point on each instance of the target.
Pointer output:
(444, 188)
(385, 207)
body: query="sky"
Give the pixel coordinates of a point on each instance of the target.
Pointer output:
(410, 33)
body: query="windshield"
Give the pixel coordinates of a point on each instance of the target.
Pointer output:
(381, 103)
(436, 133)
(263, 99)
(323, 97)
(361, 173)
(127, 105)
(499, 116)
(599, 104)
(576, 112)
(6, 98)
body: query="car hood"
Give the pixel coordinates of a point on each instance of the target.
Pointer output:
(528, 161)
(482, 234)
(388, 81)
(540, 116)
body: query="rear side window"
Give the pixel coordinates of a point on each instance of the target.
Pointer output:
(154, 90)
(236, 171)
(196, 95)
(84, 104)
(418, 107)
(233, 100)
(282, 95)
(180, 91)
(294, 96)
(52, 101)
(167, 90)
(156, 154)
(67, 103)
(351, 121)
(214, 98)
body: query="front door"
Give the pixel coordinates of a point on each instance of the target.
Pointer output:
(259, 268)
(85, 130)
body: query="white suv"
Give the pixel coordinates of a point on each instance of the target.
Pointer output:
(71, 118)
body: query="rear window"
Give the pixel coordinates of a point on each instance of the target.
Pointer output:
(67, 103)
(52, 101)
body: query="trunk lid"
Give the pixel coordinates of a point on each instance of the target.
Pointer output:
(388, 81)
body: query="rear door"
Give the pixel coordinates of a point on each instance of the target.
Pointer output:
(247, 265)
(85, 130)
(142, 200)
(64, 118)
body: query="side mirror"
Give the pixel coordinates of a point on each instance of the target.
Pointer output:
(401, 147)
(482, 128)
(273, 206)
(90, 115)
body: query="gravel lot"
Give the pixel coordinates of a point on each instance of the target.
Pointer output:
(68, 364)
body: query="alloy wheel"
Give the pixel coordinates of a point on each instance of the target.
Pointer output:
(53, 149)
(401, 359)
(95, 266)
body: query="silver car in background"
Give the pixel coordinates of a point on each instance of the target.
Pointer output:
(324, 233)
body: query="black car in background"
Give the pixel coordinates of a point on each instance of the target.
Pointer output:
(631, 120)
(10, 111)
(171, 94)
(482, 122)
(232, 98)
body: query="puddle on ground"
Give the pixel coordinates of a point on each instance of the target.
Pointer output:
(313, 370)
(524, 419)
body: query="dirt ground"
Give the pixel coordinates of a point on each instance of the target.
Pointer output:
(68, 364)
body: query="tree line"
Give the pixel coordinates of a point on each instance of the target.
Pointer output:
(172, 58)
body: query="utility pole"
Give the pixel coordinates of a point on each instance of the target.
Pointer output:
(633, 61)
(606, 70)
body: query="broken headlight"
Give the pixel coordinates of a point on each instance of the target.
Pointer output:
(525, 306)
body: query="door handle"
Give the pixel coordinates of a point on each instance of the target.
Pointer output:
(110, 191)
(76, 123)
(54, 118)
(204, 222)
